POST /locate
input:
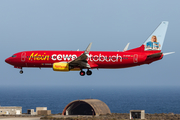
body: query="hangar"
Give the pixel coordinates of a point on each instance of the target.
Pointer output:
(86, 107)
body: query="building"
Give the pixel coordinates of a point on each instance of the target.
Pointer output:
(10, 110)
(137, 114)
(42, 109)
(44, 112)
(31, 112)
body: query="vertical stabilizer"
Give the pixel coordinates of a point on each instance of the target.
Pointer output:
(156, 39)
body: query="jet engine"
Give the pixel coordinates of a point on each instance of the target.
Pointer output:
(61, 66)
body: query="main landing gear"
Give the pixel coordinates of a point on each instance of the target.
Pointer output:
(88, 72)
(82, 73)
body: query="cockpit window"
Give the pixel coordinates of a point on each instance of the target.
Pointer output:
(14, 56)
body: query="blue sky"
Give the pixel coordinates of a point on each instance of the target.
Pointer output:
(71, 25)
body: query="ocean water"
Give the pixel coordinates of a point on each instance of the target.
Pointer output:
(118, 99)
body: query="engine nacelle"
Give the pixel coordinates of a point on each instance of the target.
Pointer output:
(61, 66)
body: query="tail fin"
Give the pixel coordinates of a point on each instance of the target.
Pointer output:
(156, 39)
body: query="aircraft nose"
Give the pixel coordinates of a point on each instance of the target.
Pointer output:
(7, 60)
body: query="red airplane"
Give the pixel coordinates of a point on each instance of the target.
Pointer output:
(147, 53)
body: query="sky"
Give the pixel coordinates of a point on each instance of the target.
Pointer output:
(73, 24)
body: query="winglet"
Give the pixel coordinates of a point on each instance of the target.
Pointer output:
(126, 47)
(88, 49)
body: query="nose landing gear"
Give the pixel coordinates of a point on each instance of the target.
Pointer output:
(21, 71)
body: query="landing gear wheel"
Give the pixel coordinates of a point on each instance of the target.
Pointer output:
(89, 72)
(21, 72)
(82, 73)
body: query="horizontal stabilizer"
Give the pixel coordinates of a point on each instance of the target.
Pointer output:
(155, 55)
(168, 53)
(125, 49)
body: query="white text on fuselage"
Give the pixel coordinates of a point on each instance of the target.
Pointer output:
(95, 58)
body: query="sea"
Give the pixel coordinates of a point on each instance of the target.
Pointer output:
(119, 99)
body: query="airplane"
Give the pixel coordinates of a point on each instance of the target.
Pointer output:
(147, 53)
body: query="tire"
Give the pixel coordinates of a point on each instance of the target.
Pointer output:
(82, 73)
(21, 72)
(89, 72)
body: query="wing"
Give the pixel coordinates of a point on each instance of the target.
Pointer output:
(81, 60)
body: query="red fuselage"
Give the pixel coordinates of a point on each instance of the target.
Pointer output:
(96, 59)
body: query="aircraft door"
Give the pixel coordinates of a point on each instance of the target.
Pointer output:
(23, 57)
(135, 58)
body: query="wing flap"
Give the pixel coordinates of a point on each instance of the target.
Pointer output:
(81, 60)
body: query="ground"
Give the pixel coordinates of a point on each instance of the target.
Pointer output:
(113, 116)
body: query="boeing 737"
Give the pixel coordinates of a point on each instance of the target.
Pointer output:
(147, 53)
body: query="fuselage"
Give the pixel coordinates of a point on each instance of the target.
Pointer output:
(96, 59)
